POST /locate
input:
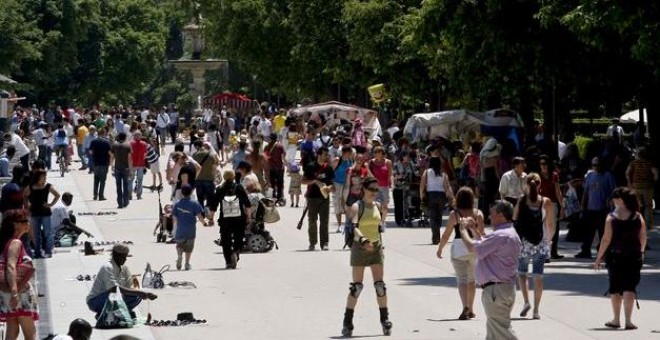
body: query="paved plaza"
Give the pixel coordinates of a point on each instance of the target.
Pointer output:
(292, 293)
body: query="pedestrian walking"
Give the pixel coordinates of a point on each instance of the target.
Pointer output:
(319, 177)
(205, 181)
(36, 201)
(275, 153)
(99, 151)
(235, 216)
(535, 224)
(434, 189)
(18, 305)
(381, 168)
(497, 262)
(139, 162)
(367, 251)
(622, 249)
(598, 186)
(550, 188)
(295, 183)
(186, 212)
(153, 161)
(340, 166)
(462, 260)
(512, 183)
(122, 169)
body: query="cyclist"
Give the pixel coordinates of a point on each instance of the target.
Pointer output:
(62, 146)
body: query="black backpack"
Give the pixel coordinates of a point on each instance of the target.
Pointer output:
(529, 224)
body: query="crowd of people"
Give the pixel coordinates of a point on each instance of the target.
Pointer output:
(356, 165)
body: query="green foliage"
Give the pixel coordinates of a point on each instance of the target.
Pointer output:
(583, 145)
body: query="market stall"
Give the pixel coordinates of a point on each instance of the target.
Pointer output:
(465, 125)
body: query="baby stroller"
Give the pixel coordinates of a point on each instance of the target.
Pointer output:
(412, 205)
(257, 238)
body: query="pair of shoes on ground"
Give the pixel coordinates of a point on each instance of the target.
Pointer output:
(178, 264)
(526, 309)
(616, 325)
(324, 247)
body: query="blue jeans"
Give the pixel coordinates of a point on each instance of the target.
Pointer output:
(82, 155)
(41, 224)
(123, 182)
(139, 176)
(100, 176)
(96, 303)
(205, 190)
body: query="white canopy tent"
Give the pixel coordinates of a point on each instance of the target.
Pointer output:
(633, 117)
(458, 123)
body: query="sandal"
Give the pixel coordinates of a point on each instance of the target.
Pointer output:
(630, 327)
(611, 324)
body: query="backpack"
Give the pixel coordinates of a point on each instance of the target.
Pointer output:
(349, 228)
(529, 224)
(231, 206)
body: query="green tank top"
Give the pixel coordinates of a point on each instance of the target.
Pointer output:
(369, 221)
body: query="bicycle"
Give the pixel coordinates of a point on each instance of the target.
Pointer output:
(61, 160)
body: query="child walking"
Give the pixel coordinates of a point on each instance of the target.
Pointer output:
(295, 184)
(185, 213)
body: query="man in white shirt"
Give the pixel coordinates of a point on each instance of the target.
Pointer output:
(22, 151)
(265, 127)
(615, 132)
(62, 222)
(512, 184)
(144, 114)
(162, 122)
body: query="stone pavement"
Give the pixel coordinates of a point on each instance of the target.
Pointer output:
(292, 293)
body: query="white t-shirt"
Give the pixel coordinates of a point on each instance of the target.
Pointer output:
(21, 148)
(391, 131)
(144, 115)
(265, 127)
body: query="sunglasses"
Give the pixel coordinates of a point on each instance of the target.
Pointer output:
(372, 189)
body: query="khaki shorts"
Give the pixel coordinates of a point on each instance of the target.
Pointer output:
(186, 245)
(363, 258)
(464, 268)
(155, 167)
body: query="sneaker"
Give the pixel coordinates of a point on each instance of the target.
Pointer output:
(311, 248)
(102, 198)
(178, 263)
(324, 247)
(95, 198)
(583, 255)
(525, 310)
(188, 266)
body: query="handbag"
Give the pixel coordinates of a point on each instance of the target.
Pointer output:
(24, 271)
(115, 313)
(154, 279)
(271, 215)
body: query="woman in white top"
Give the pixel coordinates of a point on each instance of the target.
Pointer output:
(434, 189)
(462, 260)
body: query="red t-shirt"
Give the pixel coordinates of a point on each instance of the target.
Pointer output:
(138, 152)
(274, 155)
(547, 188)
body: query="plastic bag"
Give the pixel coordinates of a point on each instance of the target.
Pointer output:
(115, 313)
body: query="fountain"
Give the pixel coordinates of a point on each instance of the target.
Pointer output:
(195, 65)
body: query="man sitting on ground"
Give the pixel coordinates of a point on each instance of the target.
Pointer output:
(63, 220)
(112, 274)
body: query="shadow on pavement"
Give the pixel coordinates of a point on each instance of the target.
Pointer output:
(571, 283)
